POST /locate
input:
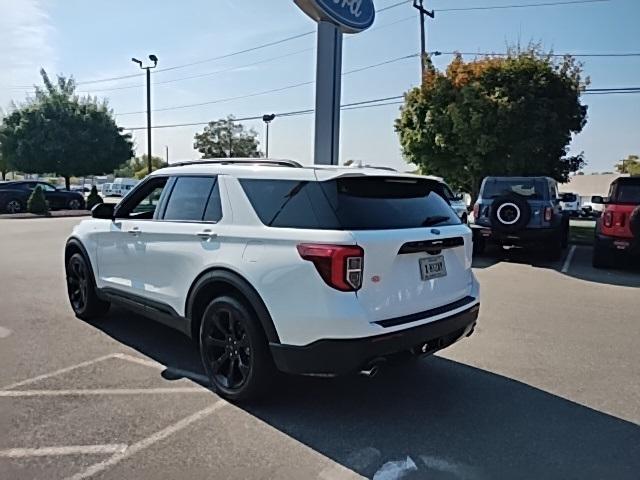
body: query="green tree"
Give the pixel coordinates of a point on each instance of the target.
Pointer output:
(58, 131)
(630, 165)
(509, 115)
(227, 138)
(137, 167)
(37, 202)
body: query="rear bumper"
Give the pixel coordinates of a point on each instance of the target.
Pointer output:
(615, 244)
(341, 356)
(531, 235)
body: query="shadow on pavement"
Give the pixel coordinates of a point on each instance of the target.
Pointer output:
(438, 419)
(495, 254)
(625, 274)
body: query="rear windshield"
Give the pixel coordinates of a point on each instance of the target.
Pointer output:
(531, 189)
(364, 203)
(627, 192)
(569, 197)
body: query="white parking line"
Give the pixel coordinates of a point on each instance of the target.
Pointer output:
(147, 442)
(69, 450)
(100, 391)
(567, 262)
(57, 372)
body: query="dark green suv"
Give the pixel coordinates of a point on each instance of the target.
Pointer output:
(521, 211)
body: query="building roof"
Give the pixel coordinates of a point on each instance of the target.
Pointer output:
(588, 185)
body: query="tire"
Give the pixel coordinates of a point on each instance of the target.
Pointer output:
(464, 219)
(74, 204)
(602, 257)
(509, 213)
(234, 350)
(14, 205)
(565, 237)
(479, 244)
(553, 248)
(81, 289)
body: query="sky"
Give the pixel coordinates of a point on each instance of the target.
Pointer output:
(95, 40)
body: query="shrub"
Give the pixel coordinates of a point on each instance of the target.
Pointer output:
(37, 202)
(94, 198)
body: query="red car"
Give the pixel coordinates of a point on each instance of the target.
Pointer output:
(618, 229)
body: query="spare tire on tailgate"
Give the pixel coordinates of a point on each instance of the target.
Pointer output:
(509, 213)
(634, 223)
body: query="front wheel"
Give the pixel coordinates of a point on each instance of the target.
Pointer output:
(14, 206)
(234, 350)
(74, 204)
(81, 289)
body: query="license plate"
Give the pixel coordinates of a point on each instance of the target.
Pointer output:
(432, 267)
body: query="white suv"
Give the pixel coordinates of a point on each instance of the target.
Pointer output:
(270, 265)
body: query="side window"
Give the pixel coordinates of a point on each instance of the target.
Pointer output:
(144, 201)
(213, 212)
(46, 187)
(189, 199)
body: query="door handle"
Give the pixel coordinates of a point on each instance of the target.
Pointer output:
(207, 234)
(135, 231)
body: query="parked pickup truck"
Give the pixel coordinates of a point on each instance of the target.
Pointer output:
(14, 196)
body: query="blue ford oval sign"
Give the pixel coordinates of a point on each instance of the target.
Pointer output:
(352, 16)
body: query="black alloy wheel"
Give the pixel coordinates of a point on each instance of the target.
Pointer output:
(74, 204)
(81, 289)
(77, 284)
(227, 348)
(234, 349)
(14, 206)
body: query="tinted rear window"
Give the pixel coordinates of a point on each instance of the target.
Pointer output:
(531, 189)
(569, 197)
(364, 203)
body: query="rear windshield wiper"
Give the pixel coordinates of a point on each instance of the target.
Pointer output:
(435, 220)
(292, 193)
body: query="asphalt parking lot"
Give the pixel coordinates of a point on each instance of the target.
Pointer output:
(547, 387)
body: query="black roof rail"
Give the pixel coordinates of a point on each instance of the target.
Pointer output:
(240, 161)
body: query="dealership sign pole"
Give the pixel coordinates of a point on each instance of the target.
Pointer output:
(334, 17)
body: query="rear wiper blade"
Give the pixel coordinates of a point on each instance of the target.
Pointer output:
(435, 220)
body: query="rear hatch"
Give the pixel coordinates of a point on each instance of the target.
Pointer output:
(532, 190)
(417, 254)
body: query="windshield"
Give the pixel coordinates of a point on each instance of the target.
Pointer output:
(532, 189)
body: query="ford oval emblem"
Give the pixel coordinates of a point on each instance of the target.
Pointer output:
(435, 231)
(352, 16)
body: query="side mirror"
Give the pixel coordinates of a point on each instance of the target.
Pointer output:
(103, 210)
(597, 199)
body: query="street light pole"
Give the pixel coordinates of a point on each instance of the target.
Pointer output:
(148, 68)
(267, 119)
(418, 5)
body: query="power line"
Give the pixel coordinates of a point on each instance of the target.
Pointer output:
(346, 106)
(524, 5)
(273, 90)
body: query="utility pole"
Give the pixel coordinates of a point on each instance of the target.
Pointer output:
(166, 151)
(418, 5)
(267, 119)
(148, 68)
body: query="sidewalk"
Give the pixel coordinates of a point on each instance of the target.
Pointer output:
(54, 214)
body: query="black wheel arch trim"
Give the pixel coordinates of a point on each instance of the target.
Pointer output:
(75, 242)
(235, 280)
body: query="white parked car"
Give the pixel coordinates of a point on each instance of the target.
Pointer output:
(570, 203)
(271, 265)
(122, 186)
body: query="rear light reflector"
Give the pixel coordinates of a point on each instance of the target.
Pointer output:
(607, 219)
(340, 266)
(548, 212)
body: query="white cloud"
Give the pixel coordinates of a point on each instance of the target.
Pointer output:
(26, 45)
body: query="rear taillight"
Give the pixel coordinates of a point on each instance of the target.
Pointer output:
(548, 212)
(607, 219)
(340, 266)
(476, 210)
